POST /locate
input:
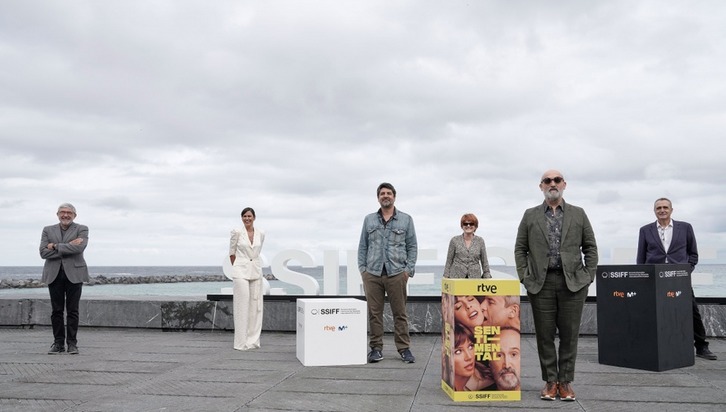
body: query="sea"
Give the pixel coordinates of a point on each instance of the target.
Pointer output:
(709, 280)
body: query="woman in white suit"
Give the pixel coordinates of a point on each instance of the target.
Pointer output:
(245, 245)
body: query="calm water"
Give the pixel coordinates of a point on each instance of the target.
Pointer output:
(708, 280)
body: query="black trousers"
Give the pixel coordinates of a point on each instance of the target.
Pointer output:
(64, 295)
(699, 331)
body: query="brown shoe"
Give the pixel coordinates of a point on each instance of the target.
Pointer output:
(566, 391)
(549, 393)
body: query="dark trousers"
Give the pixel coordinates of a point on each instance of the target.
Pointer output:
(699, 331)
(64, 294)
(556, 309)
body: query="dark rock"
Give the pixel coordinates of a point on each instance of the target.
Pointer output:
(117, 280)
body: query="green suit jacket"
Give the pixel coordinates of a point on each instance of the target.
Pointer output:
(577, 242)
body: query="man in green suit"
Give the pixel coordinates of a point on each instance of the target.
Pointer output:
(552, 240)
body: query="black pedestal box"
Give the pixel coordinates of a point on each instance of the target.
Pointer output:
(645, 316)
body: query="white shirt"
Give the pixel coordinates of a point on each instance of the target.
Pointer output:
(666, 235)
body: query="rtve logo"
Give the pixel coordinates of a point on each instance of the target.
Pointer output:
(619, 294)
(331, 328)
(672, 294)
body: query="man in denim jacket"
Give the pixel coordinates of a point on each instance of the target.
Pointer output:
(386, 259)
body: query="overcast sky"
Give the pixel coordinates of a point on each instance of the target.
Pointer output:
(161, 120)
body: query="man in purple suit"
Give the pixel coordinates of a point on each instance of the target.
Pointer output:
(668, 241)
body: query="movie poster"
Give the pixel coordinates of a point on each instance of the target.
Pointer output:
(480, 359)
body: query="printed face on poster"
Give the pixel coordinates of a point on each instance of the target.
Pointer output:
(480, 358)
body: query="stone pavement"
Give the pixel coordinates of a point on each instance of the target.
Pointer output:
(153, 370)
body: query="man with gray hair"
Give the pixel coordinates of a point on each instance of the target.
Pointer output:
(670, 241)
(65, 270)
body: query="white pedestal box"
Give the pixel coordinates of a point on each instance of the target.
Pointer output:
(332, 332)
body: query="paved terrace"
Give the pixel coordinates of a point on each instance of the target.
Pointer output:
(152, 370)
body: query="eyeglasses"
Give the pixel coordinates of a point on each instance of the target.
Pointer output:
(468, 224)
(557, 180)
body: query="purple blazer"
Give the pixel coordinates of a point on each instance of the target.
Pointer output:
(683, 247)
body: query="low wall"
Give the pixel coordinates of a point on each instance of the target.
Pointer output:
(279, 314)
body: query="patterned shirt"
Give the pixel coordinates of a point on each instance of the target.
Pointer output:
(554, 234)
(467, 262)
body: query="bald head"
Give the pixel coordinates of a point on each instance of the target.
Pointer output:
(552, 173)
(552, 185)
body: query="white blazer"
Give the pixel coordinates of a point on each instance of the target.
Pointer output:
(247, 263)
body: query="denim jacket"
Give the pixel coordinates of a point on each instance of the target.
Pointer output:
(393, 244)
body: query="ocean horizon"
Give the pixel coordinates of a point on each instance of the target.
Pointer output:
(709, 280)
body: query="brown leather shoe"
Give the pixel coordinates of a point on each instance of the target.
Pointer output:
(549, 393)
(566, 391)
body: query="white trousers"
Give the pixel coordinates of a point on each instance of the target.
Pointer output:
(247, 302)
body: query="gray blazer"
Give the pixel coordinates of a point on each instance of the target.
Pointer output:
(463, 262)
(577, 241)
(70, 255)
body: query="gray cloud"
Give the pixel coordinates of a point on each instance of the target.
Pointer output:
(161, 120)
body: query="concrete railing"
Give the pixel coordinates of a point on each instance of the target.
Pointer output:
(279, 314)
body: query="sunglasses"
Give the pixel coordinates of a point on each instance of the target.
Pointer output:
(557, 180)
(468, 224)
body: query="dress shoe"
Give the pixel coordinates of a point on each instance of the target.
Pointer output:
(56, 349)
(566, 391)
(706, 354)
(549, 393)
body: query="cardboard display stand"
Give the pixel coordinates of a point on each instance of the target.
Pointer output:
(645, 316)
(331, 332)
(480, 359)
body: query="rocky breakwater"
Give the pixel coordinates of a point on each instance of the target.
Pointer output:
(20, 283)
(122, 280)
(136, 280)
